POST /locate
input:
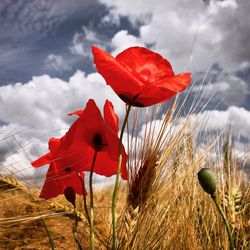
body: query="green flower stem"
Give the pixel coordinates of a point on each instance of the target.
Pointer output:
(117, 179)
(92, 232)
(229, 232)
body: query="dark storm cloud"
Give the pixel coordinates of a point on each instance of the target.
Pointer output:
(236, 32)
(33, 19)
(36, 36)
(31, 30)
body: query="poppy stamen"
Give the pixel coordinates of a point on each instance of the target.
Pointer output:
(67, 169)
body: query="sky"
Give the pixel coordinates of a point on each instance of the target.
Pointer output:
(47, 70)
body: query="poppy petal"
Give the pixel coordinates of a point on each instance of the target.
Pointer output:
(153, 95)
(124, 171)
(50, 190)
(77, 112)
(85, 126)
(51, 187)
(107, 167)
(74, 152)
(132, 73)
(177, 83)
(56, 183)
(54, 144)
(73, 180)
(43, 160)
(107, 161)
(116, 75)
(145, 64)
(163, 90)
(113, 142)
(73, 158)
(110, 117)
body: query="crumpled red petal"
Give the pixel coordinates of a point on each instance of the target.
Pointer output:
(77, 112)
(110, 117)
(145, 64)
(87, 124)
(74, 152)
(56, 182)
(120, 79)
(43, 160)
(83, 130)
(139, 76)
(162, 91)
(176, 83)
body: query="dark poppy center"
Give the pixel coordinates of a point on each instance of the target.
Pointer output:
(131, 100)
(97, 142)
(67, 169)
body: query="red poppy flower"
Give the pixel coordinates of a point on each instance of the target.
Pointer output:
(60, 176)
(91, 133)
(139, 76)
(74, 152)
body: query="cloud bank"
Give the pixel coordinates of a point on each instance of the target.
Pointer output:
(35, 111)
(216, 32)
(192, 35)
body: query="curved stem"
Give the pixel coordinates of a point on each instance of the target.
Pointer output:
(117, 179)
(92, 234)
(229, 232)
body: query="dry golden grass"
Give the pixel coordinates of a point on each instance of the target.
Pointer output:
(176, 214)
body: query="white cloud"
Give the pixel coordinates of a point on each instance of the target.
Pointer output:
(90, 35)
(56, 63)
(83, 40)
(228, 89)
(122, 40)
(244, 66)
(222, 26)
(211, 121)
(111, 18)
(206, 128)
(232, 91)
(37, 110)
(235, 117)
(77, 46)
(32, 118)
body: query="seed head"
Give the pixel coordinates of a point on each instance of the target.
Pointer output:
(70, 195)
(207, 180)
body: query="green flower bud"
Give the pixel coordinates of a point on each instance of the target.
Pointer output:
(207, 180)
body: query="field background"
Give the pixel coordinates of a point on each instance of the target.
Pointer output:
(162, 206)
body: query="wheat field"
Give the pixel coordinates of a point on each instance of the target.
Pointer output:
(161, 206)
